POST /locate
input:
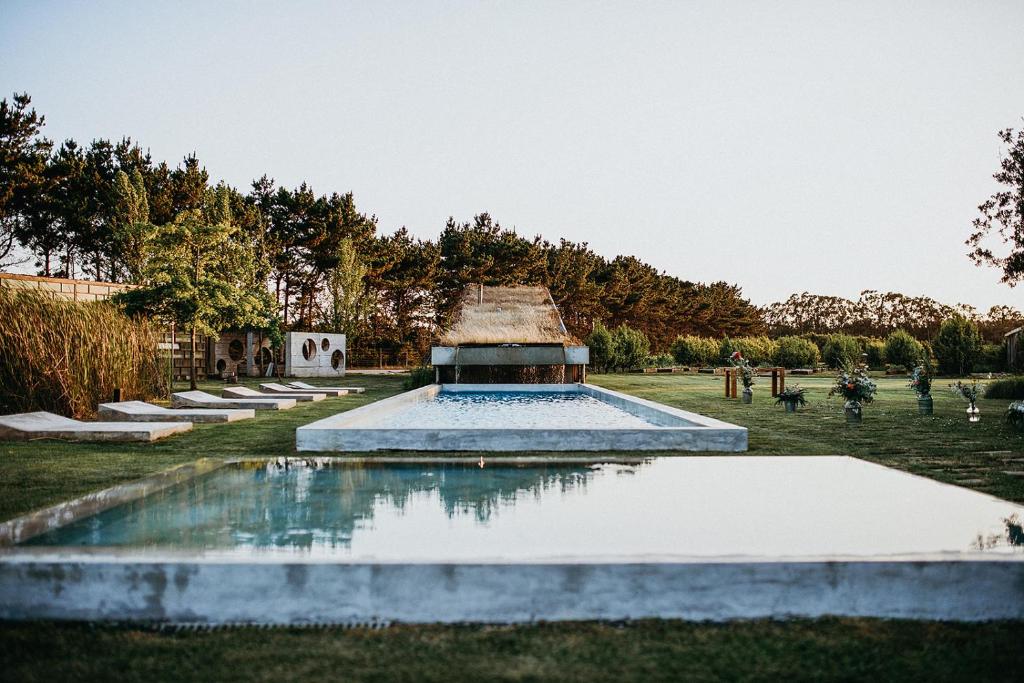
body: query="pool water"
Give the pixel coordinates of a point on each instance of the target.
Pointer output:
(514, 410)
(658, 509)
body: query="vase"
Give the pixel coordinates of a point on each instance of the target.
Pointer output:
(973, 414)
(748, 395)
(853, 412)
(925, 404)
(790, 406)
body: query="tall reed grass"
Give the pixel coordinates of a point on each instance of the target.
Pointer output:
(67, 356)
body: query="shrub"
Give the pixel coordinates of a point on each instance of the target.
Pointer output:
(796, 352)
(660, 360)
(1008, 388)
(419, 377)
(992, 358)
(601, 351)
(903, 350)
(67, 356)
(693, 350)
(757, 350)
(874, 349)
(957, 346)
(841, 351)
(630, 348)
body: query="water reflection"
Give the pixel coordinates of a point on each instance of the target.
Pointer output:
(302, 506)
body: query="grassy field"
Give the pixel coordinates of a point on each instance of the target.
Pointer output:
(987, 456)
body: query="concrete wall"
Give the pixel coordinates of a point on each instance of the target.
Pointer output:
(106, 586)
(314, 354)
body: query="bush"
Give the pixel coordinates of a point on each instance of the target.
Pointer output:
(841, 351)
(875, 351)
(601, 351)
(419, 377)
(630, 348)
(1009, 388)
(67, 357)
(992, 358)
(957, 346)
(693, 350)
(796, 352)
(757, 350)
(902, 349)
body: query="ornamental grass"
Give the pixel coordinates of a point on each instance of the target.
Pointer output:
(67, 356)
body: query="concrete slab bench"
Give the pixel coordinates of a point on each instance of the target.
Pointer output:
(304, 385)
(43, 425)
(140, 411)
(274, 388)
(247, 393)
(201, 399)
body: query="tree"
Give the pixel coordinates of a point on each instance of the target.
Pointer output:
(23, 155)
(902, 349)
(631, 348)
(132, 230)
(602, 350)
(200, 277)
(957, 346)
(346, 303)
(1002, 214)
(841, 351)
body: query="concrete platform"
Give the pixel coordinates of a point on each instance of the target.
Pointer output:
(280, 389)
(43, 425)
(201, 399)
(140, 411)
(306, 386)
(246, 392)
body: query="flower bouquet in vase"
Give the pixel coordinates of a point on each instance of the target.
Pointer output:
(747, 375)
(921, 383)
(856, 388)
(969, 393)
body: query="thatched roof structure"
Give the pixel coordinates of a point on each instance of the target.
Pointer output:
(507, 315)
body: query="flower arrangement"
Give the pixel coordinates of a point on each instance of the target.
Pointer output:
(747, 375)
(1015, 414)
(795, 396)
(921, 379)
(854, 386)
(968, 392)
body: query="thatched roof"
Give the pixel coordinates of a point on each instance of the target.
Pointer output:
(507, 315)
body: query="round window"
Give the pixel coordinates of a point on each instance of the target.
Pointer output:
(337, 359)
(325, 344)
(309, 349)
(235, 350)
(221, 365)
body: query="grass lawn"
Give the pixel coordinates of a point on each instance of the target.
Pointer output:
(987, 456)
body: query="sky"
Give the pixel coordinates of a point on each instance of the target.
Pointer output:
(782, 146)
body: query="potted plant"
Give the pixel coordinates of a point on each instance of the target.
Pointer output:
(921, 382)
(969, 393)
(1015, 414)
(856, 388)
(791, 398)
(747, 375)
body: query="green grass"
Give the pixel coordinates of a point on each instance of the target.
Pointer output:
(988, 457)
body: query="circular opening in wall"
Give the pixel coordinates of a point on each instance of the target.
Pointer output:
(265, 357)
(337, 359)
(221, 365)
(325, 344)
(235, 350)
(309, 349)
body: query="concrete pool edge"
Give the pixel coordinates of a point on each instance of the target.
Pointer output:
(359, 430)
(296, 592)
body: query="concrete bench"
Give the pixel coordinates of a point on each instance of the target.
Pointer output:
(140, 411)
(282, 390)
(43, 425)
(201, 399)
(247, 393)
(310, 387)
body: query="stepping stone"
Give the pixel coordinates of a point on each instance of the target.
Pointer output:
(247, 393)
(43, 425)
(1013, 474)
(304, 385)
(139, 411)
(201, 399)
(280, 389)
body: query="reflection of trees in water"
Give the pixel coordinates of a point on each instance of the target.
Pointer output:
(1012, 535)
(306, 506)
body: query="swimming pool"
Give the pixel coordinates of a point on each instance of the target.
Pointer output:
(518, 417)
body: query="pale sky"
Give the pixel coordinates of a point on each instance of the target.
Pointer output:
(827, 147)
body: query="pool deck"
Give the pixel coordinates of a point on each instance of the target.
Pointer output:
(364, 428)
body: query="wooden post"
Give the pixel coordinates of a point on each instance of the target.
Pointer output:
(775, 382)
(734, 374)
(728, 373)
(782, 379)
